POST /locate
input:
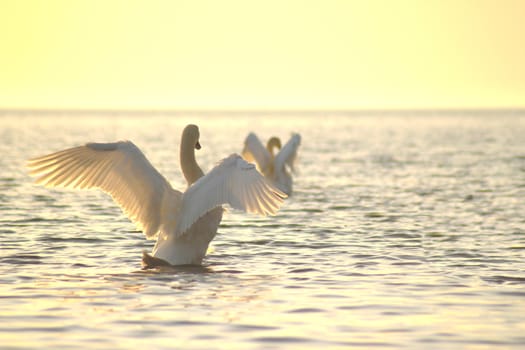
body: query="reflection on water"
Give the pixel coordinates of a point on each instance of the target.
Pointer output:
(404, 231)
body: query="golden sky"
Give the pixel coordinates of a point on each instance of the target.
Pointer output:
(243, 54)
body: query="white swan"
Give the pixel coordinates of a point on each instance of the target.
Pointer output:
(273, 166)
(184, 223)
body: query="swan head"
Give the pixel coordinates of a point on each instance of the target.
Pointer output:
(273, 142)
(191, 135)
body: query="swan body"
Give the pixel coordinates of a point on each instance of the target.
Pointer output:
(184, 223)
(277, 167)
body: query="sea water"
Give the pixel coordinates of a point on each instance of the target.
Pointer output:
(405, 230)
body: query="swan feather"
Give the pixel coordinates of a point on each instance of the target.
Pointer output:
(255, 152)
(119, 169)
(234, 182)
(288, 154)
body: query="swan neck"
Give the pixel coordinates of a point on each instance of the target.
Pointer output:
(273, 142)
(191, 170)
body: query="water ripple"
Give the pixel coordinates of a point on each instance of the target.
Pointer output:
(411, 238)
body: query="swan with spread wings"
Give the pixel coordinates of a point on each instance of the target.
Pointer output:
(273, 166)
(184, 223)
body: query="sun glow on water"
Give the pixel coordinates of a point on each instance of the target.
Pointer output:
(405, 229)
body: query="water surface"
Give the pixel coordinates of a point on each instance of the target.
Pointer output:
(406, 230)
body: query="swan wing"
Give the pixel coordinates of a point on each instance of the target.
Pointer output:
(288, 154)
(234, 182)
(255, 152)
(119, 169)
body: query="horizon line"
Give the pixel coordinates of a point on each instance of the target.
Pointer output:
(84, 110)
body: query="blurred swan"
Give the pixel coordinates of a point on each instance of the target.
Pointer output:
(184, 223)
(273, 166)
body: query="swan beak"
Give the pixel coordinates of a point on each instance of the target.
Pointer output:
(197, 145)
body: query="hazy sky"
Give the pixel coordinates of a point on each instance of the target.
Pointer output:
(262, 54)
